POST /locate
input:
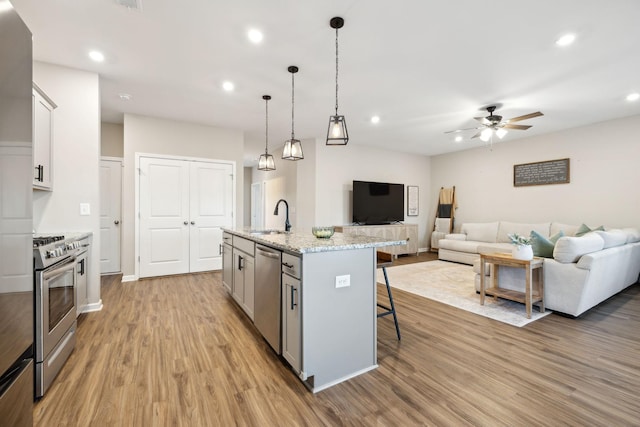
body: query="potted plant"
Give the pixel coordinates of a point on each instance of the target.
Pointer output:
(522, 247)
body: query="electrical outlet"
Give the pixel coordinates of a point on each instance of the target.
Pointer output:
(343, 281)
(85, 209)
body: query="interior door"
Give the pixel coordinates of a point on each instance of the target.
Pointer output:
(164, 216)
(110, 215)
(211, 207)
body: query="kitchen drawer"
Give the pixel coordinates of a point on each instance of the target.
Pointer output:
(227, 238)
(246, 246)
(291, 265)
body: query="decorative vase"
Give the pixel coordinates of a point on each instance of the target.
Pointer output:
(522, 252)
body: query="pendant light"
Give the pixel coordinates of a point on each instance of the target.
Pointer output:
(292, 147)
(337, 133)
(266, 163)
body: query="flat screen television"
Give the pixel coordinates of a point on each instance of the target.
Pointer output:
(377, 202)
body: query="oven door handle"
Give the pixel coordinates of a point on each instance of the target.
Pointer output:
(69, 265)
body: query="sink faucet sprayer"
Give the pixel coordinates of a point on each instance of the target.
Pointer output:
(287, 225)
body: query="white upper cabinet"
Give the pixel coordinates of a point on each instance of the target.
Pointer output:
(43, 108)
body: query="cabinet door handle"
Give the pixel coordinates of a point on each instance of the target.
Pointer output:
(240, 263)
(40, 176)
(293, 303)
(186, 222)
(287, 265)
(193, 223)
(116, 222)
(220, 249)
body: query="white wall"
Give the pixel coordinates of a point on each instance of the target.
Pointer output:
(338, 166)
(160, 136)
(112, 140)
(76, 161)
(280, 184)
(604, 174)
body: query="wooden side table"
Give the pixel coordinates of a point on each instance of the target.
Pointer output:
(533, 290)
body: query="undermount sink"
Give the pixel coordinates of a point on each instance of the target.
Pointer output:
(262, 232)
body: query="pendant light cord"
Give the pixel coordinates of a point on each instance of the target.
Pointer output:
(292, 104)
(336, 71)
(266, 127)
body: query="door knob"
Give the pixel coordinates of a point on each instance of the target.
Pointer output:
(116, 222)
(193, 223)
(186, 223)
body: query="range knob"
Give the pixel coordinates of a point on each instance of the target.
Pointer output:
(51, 254)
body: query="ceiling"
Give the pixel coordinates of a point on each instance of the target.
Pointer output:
(424, 67)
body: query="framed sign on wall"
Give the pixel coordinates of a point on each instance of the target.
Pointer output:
(541, 173)
(412, 200)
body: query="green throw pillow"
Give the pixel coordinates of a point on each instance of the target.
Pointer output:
(543, 246)
(584, 229)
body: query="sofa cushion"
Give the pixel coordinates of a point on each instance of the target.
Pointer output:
(459, 245)
(522, 229)
(633, 235)
(569, 230)
(584, 229)
(480, 231)
(455, 236)
(543, 246)
(569, 249)
(612, 237)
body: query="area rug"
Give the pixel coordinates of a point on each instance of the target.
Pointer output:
(453, 284)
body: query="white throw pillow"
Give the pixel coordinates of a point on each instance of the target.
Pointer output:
(570, 249)
(612, 237)
(633, 235)
(480, 231)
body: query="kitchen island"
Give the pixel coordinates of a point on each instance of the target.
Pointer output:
(327, 299)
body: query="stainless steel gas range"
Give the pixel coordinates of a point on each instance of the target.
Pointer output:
(54, 259)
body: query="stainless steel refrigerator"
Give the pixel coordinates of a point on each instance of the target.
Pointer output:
(16, 221)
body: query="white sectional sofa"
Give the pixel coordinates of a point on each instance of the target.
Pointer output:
(583, 272)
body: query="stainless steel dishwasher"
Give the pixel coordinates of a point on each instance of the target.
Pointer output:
(266, 315)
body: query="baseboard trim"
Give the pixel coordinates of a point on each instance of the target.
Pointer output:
(129, 278)
(96, 306)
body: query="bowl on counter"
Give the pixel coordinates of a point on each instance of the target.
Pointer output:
(323, 232)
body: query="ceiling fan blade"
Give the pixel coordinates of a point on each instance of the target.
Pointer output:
(525, 117)
(476, 135)
(460, 130)
(482, 120)
(517, 127)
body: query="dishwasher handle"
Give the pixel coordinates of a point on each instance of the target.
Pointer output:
(267, 253)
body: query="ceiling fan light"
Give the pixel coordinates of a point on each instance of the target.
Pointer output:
(486, 134)
(501, 132)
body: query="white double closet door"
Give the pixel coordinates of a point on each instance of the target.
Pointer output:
(183, 205)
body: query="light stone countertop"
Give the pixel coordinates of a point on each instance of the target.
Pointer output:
(303, 241)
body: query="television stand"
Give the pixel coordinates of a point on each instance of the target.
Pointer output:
(408, 232)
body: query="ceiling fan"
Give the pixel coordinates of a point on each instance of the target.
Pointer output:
(494, 123)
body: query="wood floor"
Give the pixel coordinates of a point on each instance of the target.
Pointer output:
(177, 351)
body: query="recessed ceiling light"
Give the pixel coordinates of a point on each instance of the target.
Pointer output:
(633, 96)
(566, 40)
(228, 86)
(375, 119)
(96, 56)
(458, 138)
(125, 96)
(255, 36)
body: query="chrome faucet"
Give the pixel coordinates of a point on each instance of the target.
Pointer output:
(287, 225)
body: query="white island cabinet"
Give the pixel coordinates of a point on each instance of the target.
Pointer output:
(328, 303)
